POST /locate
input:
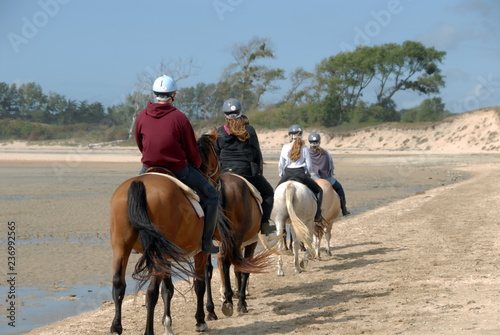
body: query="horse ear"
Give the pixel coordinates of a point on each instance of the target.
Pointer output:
(212, 134)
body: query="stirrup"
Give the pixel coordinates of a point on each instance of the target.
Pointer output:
(266, 228)
(212, 249)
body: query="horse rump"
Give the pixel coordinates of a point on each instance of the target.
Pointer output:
(160, 256)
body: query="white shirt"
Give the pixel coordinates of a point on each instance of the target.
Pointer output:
(285, 161)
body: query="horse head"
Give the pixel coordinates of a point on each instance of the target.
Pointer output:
(210, 167)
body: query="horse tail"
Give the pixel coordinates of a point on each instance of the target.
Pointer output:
(156, 247)
(232, 251)
(301, 229)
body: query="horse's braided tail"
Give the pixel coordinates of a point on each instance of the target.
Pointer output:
(156, 247)
(301, 229)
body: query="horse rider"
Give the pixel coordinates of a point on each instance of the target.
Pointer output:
(167, 139)
(295, 164)
(322, 167)
(239, 152)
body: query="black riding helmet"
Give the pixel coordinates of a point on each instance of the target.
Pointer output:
(232, 108)
(295, 131)
(314, 139)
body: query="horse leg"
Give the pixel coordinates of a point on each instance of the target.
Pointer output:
(121, 254)
(280, 221)
(227, 304)
(243, 281)
(118, 292)
(208, 283)
(152, 294)
(200, 263)
(296, 247)
(167, 293)
(316, 244)
(328, 236)
(280, 266)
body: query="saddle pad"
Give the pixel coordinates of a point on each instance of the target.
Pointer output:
(188, 191)
(253, 190)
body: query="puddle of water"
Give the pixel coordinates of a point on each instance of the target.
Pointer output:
(40, 306)
(28, 197)
(36, 307)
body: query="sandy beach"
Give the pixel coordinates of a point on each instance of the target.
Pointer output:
(418, 255)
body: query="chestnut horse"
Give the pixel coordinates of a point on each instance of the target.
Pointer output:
(242, 215)
(152, 214)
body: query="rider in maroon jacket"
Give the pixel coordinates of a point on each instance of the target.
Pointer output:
(166, 138)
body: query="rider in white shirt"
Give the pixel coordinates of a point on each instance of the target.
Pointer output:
(295, 164)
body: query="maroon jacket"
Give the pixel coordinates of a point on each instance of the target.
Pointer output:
(166, 138)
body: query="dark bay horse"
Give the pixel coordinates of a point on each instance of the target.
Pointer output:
(151, 214)
(242, 215)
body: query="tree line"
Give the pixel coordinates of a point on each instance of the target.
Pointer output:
(353, 87)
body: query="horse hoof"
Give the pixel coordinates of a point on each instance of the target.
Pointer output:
(227, 309)
(242, 310)
(212, 317)
(201, 327)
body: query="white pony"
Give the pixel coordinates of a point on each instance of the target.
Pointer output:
(294, 202)
(330, 209)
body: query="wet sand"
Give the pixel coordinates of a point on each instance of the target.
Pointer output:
(61, 213)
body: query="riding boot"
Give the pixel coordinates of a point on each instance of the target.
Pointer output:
(319, 200)
(207, 244)
(267, 207)
(343, 206)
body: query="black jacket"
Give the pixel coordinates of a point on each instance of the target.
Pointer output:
(242, 157)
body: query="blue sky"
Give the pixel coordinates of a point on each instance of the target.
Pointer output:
(94, 50)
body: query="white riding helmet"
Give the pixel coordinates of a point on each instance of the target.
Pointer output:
(164, 85)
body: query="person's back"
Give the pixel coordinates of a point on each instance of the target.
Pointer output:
(166, 139)
(322, 167)
(295, 164)
(239, 152)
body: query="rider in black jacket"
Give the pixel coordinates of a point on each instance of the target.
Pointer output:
(239, 152)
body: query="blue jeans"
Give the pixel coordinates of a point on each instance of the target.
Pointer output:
(192, 178)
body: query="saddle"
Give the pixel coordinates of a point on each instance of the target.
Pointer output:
(193, 198)
(253, 190)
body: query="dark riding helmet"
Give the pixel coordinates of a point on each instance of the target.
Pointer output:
(295, 131)
(314, 139)
(232, 108)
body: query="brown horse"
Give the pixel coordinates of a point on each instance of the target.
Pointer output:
(242, 215)
(152, 214)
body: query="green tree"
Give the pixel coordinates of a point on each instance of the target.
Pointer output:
(410, 66)
(247, 79)
(429, 110)
(32, 102)
(342, 79)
